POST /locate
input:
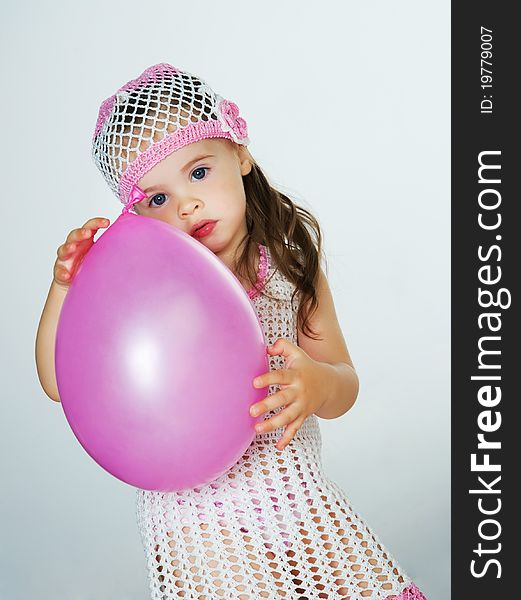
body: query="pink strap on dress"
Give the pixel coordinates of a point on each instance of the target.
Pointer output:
(261, 274)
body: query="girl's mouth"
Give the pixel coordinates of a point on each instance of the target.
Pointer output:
(204, 230)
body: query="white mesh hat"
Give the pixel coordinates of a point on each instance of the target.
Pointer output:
(150, 117)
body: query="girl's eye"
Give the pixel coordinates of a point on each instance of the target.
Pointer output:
(197, 170)
(161, 199)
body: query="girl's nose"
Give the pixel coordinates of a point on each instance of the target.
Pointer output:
(189, 206)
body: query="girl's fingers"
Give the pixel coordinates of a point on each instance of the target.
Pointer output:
(276, 377)
(269, 403)
(63, 274)
(88, 230)
(92, 225)
(289, 433)
(71, 253)
(285, 417)
(97, 223)
(78, 235)
(66, 250)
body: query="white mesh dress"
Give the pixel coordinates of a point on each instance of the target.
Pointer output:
(273, 526)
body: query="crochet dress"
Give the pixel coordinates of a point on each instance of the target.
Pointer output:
(273, 526)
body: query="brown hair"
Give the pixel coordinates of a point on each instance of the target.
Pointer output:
(292, 235)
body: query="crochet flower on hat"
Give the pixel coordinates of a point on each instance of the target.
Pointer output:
(228, 114)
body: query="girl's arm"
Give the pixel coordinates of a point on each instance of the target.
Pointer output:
(332, 351)
(70, 255)
(46, 339)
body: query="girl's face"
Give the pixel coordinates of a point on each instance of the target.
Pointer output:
(200, 181)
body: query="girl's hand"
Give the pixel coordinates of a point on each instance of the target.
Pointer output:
(303, 390)
(72, 252)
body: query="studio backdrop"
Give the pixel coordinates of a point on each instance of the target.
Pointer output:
(347, 107)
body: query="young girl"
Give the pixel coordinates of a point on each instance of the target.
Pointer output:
(273, 526)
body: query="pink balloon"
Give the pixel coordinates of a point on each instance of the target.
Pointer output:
(156, 350)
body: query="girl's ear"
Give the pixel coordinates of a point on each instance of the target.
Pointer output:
(245, 159)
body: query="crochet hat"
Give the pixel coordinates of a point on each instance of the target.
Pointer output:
(150, 117)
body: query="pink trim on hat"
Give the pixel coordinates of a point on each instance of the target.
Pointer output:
(104, 113)
(153, 73)
(156, 152)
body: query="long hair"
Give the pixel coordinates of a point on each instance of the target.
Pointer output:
(293, 236)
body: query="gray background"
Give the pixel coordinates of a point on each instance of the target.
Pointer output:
(347, 106)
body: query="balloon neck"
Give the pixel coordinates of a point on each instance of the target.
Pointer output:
(135, 196)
